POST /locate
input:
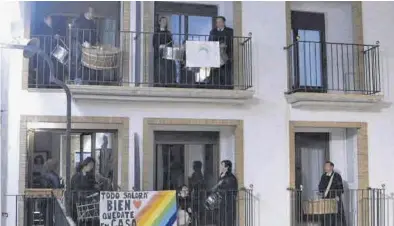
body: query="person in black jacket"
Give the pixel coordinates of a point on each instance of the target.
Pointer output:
(83, 185)
(45, 33)
(50, 178)
(164, 70)
(228, 187)
(222, 77)
(84, 30)
(86, 27)
(197, 186)
(331, 187)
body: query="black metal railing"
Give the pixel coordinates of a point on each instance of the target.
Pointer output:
(40, 207)
(339, 207)
(39, 69)
(227, 208)
(142, 59)
(327, 66)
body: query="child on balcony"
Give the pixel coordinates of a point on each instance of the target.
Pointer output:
(184, 210)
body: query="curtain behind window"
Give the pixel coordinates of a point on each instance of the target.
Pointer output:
(312, 151)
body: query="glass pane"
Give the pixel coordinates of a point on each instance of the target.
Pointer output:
(199, 25)
(310, 58)
(170, 165)
(177, 28)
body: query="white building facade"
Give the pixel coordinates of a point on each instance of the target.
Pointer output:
(257, 126)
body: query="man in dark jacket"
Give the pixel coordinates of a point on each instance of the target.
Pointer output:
(222, 77)
(228, 187)
(86, 27)
(45, 33)
(84, 30)
(331, 187)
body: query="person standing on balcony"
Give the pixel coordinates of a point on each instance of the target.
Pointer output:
(197, 186)
(83, 185)
(50, 178)
(84, 33)
(86, 27)
(331, 187)
(222, 77)
(228, 188)
(45, 27)
(164, 69)
(45, 34)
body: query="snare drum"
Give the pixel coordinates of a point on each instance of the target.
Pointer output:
(61, 53)
(173, 53)
(213, 201)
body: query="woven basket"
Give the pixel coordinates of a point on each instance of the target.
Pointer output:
(100, 58)
(320, 206)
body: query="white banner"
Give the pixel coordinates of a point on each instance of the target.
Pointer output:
(202, 54)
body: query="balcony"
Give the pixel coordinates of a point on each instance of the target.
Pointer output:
(134, 66)
(351, 207)
(47, 207)
(334, 76)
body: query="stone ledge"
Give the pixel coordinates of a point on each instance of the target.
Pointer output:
(158, 94)
(335, 101)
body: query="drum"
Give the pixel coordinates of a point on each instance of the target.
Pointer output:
(173, 53)
(60, 54)
(320, 206)
(100, 57)
(213, 201)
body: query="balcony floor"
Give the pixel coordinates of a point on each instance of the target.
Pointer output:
(158, 94)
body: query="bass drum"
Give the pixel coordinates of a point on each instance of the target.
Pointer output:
(213, 201)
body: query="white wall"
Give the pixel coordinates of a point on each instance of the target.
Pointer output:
(265, 121)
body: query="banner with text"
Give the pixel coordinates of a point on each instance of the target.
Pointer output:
(143, 208)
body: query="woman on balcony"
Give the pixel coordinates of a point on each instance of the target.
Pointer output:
(83, 188)
(164, 69)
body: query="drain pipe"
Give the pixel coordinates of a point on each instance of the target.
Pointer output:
(64, 86)
(30, 48)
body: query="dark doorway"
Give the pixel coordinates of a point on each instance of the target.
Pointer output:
(309, 35)
(311, 151)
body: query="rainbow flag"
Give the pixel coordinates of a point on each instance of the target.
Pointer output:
(160, 210)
